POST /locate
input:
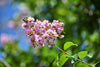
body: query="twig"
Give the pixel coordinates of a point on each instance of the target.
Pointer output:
(70, 55)
(4, 62)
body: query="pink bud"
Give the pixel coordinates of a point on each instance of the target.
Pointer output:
(62, 36)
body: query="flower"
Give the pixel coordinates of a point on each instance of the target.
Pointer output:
(62, 36)
(25, 25)
(30, 19)
(11, 24)
(42, 32)
(5, 38)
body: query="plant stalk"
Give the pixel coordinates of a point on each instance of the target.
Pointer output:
(70, 55)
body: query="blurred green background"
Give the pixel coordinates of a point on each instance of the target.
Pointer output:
(82, 26)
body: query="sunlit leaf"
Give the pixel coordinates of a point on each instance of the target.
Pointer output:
(62, 60)
(82, 54)
(68, 44)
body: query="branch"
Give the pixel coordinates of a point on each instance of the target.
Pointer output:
(4, 62)
(70, 55)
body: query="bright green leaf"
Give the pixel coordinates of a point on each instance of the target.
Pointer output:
(68, 44)
(82, 54)
(62, 60)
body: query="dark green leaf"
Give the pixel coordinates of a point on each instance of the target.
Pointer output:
(75, 57)
(80, 65)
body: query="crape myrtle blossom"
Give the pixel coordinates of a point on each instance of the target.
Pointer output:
(42, 32)
(5, 38)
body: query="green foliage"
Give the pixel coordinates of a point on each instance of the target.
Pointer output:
(1, 64)
(61, 59)
(81, 26)
(82, 54)
(75, 57)
(80, 65)
(68, 44)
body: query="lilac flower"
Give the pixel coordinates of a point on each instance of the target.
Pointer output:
(5, 38)
(32, 39)
(29, 32)
(30, 19)
(42, 32)
(55, 24)
(51, 42)
(44, 44)
(25, 26)
(62, 36)
(11, 24)
(60, 29)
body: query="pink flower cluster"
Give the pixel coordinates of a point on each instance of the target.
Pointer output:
(42, 32)
(5, 38)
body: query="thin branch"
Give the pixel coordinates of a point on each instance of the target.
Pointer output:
(70, 55)
(4, 62)
(62, 50)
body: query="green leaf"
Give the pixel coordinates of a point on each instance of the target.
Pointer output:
(90, 55)
(75, 57)
(80, 65)
(93, 65)
(82, 54)
(60, 60)
(55, 63)
(68, 44)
